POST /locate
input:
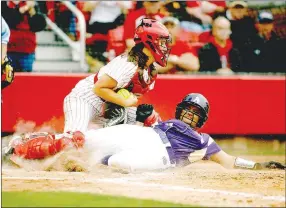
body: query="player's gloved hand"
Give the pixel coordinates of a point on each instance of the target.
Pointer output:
(112, 110)
(7, 73)
(271, 165)
(146, 114)
(115, 113)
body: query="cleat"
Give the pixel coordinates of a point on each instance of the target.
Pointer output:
(16, 140)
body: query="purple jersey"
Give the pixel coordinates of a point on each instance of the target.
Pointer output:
(184, 140)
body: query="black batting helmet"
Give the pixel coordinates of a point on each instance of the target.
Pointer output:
(194, 99)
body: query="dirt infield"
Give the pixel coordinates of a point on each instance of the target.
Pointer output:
(203, 183)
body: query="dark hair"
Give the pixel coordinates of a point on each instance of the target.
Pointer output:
(137, 56)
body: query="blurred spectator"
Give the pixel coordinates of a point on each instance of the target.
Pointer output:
(242, 25)
(176, 9)
(65, 19)
(150, 10)
(202, 14)
(7, 72)
(24, 21)
(182, 56)
(5, 35)
(219, 55)
(105, 16)
(266, 51)
(58, 12)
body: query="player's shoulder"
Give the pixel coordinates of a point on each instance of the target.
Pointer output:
(178, 127)
(177, 124)
(119, 64)
(119, 59)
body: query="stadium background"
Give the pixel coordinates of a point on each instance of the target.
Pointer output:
(247, 117)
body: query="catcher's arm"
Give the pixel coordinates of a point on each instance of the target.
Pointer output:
(104, 89)
(231, 162)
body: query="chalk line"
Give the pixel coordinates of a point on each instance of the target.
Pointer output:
(127, 181)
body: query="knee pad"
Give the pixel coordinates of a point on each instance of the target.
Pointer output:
(41, 147)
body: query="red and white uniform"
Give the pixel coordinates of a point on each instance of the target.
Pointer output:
(82, 105)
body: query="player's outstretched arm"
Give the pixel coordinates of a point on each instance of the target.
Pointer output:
(231, 162)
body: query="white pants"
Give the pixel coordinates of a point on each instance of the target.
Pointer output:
(130, 147)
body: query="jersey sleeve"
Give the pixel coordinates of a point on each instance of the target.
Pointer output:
(5, 32)
(212, 147)
(120, 70)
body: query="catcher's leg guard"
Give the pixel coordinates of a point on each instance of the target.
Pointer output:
(41, 147)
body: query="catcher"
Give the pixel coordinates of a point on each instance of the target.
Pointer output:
(172, 143)
(94, 98)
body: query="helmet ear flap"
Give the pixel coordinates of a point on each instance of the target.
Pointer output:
(179, 110)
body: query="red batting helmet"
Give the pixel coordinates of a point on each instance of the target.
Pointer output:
(155, 36)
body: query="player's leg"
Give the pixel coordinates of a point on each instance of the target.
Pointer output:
(78, 114)
(109, 141)
(141, 159)
(42, 146)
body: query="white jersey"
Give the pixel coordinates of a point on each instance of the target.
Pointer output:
(82, 105)
(119, 69)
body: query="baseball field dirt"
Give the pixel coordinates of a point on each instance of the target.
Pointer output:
(203, 183)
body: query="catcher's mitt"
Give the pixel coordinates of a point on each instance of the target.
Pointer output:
(7, 73)
(115, 113)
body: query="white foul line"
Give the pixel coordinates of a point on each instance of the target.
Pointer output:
(126, 181)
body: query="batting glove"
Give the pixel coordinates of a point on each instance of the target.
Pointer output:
(146, 114)
(271, 165)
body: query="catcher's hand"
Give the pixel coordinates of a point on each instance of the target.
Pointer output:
(112, 110)
(7, 73)
(115, 113)
(271, 165)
